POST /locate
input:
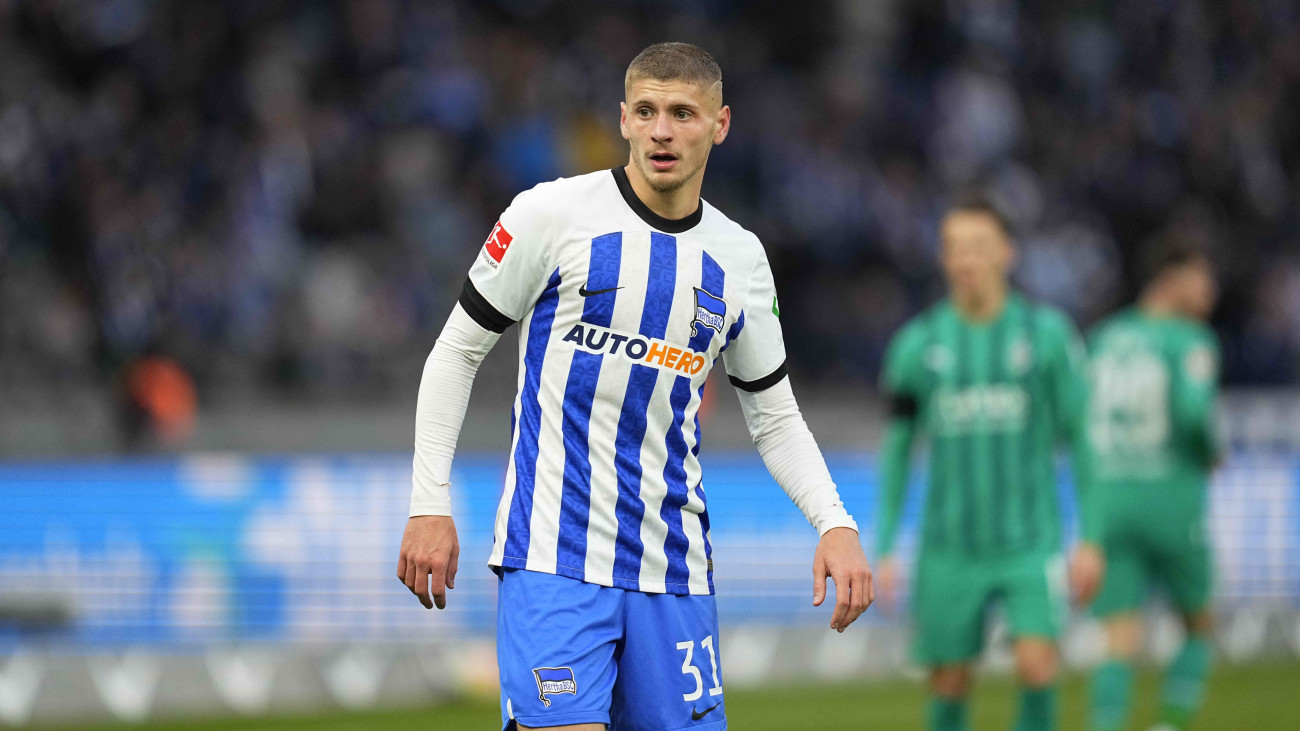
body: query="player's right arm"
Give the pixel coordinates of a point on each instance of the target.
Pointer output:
(1066, 366)
(899, 385)
(503, 284)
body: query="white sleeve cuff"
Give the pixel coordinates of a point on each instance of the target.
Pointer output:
(832, 520)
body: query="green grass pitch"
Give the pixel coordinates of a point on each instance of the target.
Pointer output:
(1240, 697)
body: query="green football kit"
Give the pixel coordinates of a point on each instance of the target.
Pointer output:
(994, 398)
(1154, 385)
(1151, 432)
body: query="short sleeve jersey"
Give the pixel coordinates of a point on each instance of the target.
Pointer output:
(622, 316)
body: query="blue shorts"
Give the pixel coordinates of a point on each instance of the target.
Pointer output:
(572, 652)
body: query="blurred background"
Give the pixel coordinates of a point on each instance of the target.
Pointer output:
(230, 233)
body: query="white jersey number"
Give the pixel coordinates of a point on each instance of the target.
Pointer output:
(689, 669)
(1130, 403)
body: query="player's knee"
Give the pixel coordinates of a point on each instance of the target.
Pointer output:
(1199, 624)
(1037, 664)
(1038, 673)
(950, 681)
(1124, 636)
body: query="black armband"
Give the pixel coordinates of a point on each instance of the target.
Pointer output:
(482, 311)
(903, 406)
(762, 384)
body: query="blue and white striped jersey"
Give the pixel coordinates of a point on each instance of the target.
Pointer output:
(622, 315)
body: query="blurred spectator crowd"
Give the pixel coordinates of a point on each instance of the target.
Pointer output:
(283, 197)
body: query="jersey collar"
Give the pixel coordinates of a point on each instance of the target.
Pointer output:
(667, 225)
(1011, 303)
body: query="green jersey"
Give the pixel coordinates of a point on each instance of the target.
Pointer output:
(994, 398)
(1151, 429)
(1151, 421)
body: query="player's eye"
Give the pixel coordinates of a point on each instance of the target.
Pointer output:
(683, 115)
(645, 112)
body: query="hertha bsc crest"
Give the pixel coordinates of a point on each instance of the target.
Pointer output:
(710, 311)
(553, 681)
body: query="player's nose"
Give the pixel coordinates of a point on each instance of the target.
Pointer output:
(663, 128)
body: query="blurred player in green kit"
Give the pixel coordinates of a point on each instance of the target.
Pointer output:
(1154, 386)
(995, 381)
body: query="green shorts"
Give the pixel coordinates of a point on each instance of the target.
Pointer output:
(953, 594)
(1171, 553)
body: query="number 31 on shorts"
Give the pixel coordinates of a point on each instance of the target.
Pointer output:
(689, 669)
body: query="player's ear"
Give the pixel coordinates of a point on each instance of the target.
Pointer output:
(724, 125)
(622, 119)
(1012, 255)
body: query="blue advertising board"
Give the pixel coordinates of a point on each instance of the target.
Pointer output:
(179, 553)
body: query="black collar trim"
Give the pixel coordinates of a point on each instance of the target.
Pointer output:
(667, 225)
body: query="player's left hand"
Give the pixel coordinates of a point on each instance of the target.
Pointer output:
(1087, 566)
(839, 556)
(429, 557)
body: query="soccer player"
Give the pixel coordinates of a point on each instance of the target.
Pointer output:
(1151, 423)
(627, 288)
(993, 379)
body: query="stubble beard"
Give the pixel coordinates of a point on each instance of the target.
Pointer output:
(660, 185)
(665, 186)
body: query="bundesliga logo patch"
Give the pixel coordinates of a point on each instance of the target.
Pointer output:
(554, 681)
(710, 311)
(498, 242)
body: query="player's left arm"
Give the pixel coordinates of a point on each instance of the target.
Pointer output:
(1068, 360)
(1196, 394)
(792, 456)
(755, 363)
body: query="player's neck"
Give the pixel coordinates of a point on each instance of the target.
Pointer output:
(1155, 304)
(983, 307)
(672, 204)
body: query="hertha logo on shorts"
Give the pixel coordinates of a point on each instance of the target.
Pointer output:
(710, 311)
(553, 681)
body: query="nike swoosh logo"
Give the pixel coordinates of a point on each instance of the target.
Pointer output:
(590, 292)
(697, 715)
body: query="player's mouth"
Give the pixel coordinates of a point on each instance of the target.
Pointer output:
(663, 160)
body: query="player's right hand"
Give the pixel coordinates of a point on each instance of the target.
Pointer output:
(887, 582)
(429, 557)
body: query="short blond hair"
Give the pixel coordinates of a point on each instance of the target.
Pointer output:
(674, 61)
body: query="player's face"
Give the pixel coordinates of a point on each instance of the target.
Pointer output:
(977, 255)
(1197, 289)
(671, 126)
